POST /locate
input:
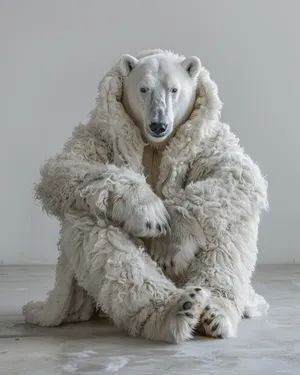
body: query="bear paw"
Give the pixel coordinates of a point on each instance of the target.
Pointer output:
(190, 302)
(141, 212)
(216, 322)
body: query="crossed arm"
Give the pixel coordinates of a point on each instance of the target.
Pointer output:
(211, 210)
(82, 177)
(203, 213)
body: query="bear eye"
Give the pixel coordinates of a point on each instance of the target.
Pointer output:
(143, 90)
(174, 89)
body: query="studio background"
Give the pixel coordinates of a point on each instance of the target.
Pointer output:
(53, 54)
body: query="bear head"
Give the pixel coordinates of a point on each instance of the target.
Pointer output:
(159, 92)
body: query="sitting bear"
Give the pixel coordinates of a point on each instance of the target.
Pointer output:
(159, 208)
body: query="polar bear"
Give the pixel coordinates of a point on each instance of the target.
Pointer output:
(159, 208)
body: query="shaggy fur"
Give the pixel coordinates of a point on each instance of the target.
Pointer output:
(208, 189)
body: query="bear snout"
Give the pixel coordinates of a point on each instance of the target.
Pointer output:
(158, 129)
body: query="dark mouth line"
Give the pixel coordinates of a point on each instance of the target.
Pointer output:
(157, 136)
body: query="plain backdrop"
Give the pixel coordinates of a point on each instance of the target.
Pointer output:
(54, 52)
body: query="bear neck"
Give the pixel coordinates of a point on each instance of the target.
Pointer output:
(177, 152)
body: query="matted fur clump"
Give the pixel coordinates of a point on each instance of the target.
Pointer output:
(201, 216)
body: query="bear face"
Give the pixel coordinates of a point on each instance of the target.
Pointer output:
(159, 92)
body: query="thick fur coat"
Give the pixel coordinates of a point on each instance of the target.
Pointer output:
(196, 274)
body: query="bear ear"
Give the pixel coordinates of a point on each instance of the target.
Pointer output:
(192, 65)
(127, 63)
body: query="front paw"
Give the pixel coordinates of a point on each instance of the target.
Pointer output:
(148, 219)
(175, 255)
(184, 224)
(141, 212)
(166, 256)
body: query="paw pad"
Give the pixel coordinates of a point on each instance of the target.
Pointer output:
(187, 305)
(192, 302)
(216, 323)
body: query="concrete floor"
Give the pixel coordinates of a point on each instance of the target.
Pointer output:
(265, 346)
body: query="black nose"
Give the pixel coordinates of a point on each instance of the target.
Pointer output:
(158, 128)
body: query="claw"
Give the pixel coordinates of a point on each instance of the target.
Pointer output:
(208, 321)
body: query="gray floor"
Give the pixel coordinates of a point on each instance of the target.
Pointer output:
(265, 346)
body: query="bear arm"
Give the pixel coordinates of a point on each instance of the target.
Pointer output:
(232, 193)
(81, 175)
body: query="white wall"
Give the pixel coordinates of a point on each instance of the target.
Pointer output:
(54, 52)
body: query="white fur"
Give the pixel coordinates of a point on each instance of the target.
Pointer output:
(158, 75)
(202, 215)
